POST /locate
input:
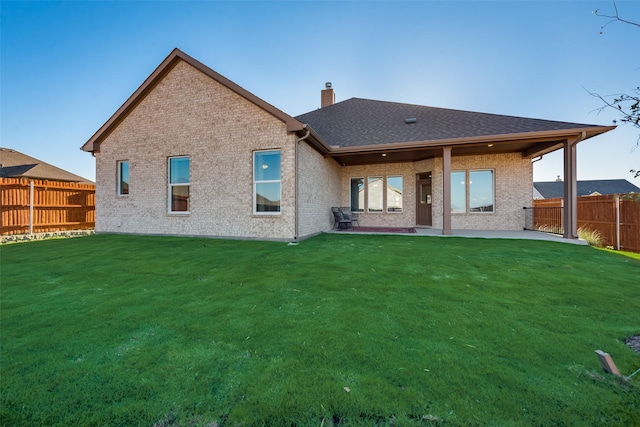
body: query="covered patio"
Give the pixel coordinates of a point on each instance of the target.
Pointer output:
(374, 136)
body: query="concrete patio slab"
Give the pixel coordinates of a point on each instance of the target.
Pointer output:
(482, 234)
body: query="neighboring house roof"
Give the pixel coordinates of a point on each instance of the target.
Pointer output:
(359, 125)
(553, 189)
(17, 165)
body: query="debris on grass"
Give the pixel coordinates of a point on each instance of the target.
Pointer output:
(633, 343)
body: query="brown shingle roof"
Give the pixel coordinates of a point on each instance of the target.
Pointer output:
(364, 122)
(18, 165)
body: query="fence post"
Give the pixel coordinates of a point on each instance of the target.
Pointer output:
(616, 200)
(31, 207)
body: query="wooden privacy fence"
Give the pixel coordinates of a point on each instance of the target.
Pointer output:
(37, 206)
(615, 217)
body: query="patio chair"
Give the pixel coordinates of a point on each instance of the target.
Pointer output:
(340, 219)
(353, 215)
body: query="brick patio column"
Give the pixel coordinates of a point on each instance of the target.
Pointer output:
(446, 191)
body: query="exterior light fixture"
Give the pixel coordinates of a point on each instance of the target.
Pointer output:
(489, 145)
(384, 154)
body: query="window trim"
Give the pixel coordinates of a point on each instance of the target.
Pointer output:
(364, 194)
(119, 187)
(382, 188)
(170, 186)
(268, 181)
(467, 191)
(386, 194)
(493, 192)
(466, 205)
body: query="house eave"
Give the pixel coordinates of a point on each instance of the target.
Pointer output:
(543, 136)
(528, 145)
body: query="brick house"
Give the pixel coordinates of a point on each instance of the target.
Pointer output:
(192, 153)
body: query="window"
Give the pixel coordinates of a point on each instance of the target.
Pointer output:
(267, 186)
(179, 182)
(123, 178)
(375, 194)
(478, 192)
(394, 194)
(481, 191)
(357, 194)
(458, 192)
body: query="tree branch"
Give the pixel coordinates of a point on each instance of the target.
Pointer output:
(614, 18)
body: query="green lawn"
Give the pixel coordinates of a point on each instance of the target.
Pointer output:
(337, 330)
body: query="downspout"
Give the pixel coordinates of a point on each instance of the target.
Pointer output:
(297, 224)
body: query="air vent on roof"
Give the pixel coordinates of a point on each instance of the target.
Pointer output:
(411, 120)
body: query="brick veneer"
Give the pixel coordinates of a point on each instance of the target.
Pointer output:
(513, 183)
(189, 113)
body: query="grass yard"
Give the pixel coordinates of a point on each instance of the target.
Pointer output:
(338, 330)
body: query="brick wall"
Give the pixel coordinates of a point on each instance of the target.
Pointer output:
(319, 189)
(513, 182)
(190, 114)
(406, 218)
(513, 177)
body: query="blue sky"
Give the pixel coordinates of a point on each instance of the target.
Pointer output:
(66, 67)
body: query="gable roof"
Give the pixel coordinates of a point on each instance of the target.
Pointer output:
(362, 131)
(553, 189)
(14, 164)
(359, 125)
(93, 144)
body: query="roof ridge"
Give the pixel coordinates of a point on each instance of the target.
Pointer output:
(460, 110)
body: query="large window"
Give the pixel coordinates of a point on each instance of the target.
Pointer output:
(357, 194)
(382, 193)
(476, 191)
(123, 178)
(179, 183)
(267, 186)
(481, 191)
(375, 193)
(458, 192)
(394, 194)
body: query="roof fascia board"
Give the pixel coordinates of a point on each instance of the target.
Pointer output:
(524, 136)
(93, 144)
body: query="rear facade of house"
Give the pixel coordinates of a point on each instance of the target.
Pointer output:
(191, 153)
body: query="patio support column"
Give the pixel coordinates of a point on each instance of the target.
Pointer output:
(446, 191)
(570, 214)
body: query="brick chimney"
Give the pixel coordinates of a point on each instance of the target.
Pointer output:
(327, 96)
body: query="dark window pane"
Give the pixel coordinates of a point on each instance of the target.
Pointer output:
(268, 197)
